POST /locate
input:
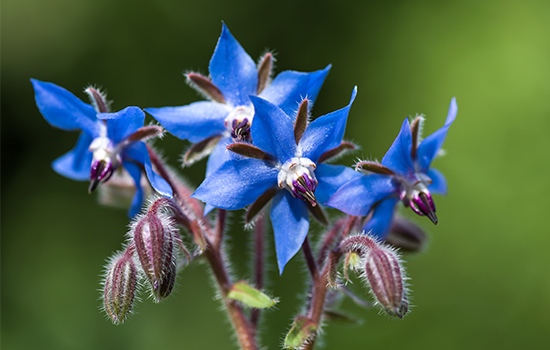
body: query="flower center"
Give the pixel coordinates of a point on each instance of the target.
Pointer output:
(238, 122)
(105, 160)
(415, 193)
(297, 176)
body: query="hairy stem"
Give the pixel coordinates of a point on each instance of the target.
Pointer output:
(259, 258)
(321, 280)
(212, 250)
(244, 331)
(220, 227)
(310, 260)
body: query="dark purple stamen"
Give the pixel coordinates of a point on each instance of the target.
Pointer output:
(423, 204)
(241, 130)
(100, 171)
(304, 188)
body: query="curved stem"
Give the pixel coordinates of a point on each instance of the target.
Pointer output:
(321, 280)
(259, 258)
(310, 260)
(213, 250)
(244, 331)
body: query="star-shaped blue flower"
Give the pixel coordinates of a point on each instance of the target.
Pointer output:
(284, 162)
(403, 175)
(227, 117)
(107, 140)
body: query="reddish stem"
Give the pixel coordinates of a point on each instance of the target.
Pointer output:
(310, 260)
(259, 258)
(321, 282)
(212, 252)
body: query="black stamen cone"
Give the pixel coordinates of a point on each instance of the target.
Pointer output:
(429, 212)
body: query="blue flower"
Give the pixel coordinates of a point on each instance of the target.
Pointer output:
(107, 140)
(403, 175)
(284, 163)
(227, 117)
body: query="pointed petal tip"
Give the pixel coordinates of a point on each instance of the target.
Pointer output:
(453, 109)
(353, 94)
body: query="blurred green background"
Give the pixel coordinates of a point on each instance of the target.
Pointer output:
(483, 283)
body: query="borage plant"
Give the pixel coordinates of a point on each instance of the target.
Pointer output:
(264, 148)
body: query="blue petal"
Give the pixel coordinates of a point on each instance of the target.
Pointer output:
(289, 88)
(290, 220)
(398, 158)
(331, 178)
(325, 132)
(194, 122)
(76, 163)
(237, 183)
(432, 144)
(233, 71)
(380, 223)
(358, 196)
(135, 172)
(138, 152)
(219, 155)
(272, 130)
(439, 184)
(124, 123)
(64, 110)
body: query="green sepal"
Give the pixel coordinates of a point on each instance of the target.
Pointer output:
(341, 318)
(302, 329)
(250, 296)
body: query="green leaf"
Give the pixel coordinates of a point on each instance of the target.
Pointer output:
(302, 329)
(250, 296)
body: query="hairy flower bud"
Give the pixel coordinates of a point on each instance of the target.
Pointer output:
(406, 235)
(120, 287)
(154, 238)
(383, 273)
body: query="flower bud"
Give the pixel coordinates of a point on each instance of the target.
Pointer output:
(154, 238)
(382, 271)
(120, 287)
(406, 235)
(384, 275)
(167, 283)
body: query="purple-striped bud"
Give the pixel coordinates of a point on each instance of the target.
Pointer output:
(298, 177)
(154, 238)
(382, 271)
(384, 275)
(120, 287)
(406, 235)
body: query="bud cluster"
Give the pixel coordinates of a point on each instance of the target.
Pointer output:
(151, 255)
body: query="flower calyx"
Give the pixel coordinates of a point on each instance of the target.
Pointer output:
(298, 177)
